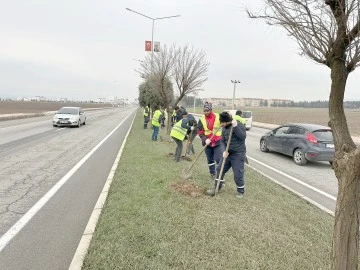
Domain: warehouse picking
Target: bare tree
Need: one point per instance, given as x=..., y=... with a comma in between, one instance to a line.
x=327, y=32
x=190, y=71
x=158, y=71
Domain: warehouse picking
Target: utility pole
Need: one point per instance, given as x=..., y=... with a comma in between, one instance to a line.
x=233, y=101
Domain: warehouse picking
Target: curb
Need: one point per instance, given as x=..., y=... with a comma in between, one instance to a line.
x=81, y=251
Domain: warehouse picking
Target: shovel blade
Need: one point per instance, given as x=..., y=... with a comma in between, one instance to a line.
x=186, y=174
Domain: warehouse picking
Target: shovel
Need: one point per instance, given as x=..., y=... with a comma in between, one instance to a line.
x=223, y=162
x=188, y=142
x=186, y=173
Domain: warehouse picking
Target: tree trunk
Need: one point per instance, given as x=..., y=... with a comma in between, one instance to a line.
x=345, y=243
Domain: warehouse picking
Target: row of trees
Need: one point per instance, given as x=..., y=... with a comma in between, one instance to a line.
x=186, y=66
x=314, y=104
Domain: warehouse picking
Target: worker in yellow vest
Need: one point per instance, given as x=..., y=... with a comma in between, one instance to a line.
x=156, y=120
x=178, y=134
x=238, y=117
x=173, y=117
x=146, y=115
x=209, y=132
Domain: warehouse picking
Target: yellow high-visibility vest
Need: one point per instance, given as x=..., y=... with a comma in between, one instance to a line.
x=178, y=132
x=216, y=125
x=146, y=109
x=156, y=117
x=239, y=118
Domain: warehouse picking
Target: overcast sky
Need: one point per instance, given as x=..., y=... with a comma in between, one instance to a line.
x=84, y=49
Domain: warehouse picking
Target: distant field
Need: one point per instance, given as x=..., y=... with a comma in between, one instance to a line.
x=280, y=116
x=9, y=107
x=302, y=115
x=271, y=115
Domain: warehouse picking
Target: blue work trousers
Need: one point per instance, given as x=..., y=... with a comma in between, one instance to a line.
x=178, y=150
x=236, y=162
x=213, y=155
x=155, y=133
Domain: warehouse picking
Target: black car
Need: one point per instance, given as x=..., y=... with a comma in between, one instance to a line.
x=304, y=142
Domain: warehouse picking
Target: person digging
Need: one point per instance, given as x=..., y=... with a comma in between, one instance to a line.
x=233, y=158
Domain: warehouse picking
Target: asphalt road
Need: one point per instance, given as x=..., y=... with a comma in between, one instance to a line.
x=34, y=158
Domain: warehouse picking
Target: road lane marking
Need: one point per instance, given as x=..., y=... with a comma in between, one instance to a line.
x=17, y=227
x=295, y=179
x=293, y=191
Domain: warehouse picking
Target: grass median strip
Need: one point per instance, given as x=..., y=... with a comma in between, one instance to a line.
x=155, y=220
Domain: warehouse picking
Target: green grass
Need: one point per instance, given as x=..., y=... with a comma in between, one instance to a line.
x=148, y=225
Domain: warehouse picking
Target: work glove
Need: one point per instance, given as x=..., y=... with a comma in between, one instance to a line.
x=207, y=142
x=192, y=128
x=225, y=154
x=234, y=123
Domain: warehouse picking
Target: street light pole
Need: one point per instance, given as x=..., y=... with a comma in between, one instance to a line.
x=152, y=31
x=194, y=100
x=233, y=101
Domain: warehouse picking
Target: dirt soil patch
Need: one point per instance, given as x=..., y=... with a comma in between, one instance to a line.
x=187, y=188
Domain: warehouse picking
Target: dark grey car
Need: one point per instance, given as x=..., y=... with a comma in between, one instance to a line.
x=304, y=142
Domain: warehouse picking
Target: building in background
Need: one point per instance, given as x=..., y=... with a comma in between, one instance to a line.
x=247, y=102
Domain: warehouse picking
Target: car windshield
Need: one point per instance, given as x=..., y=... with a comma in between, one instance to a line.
x=246, y=114
x=323, y=134
x=68, y=111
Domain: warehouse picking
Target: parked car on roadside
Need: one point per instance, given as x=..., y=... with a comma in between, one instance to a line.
x=304, y=142
x=69, y=116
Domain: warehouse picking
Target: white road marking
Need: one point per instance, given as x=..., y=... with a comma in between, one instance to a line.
x=294, y=191
x=295, y=179
x=17, y=227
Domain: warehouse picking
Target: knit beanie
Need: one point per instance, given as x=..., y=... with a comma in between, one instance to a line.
x=225, y=117
x=207, y=107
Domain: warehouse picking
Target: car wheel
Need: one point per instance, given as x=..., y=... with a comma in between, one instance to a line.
x=54, y=125
x=263, y=146
x=299, y=157
x=84, y=122
x=79, y=123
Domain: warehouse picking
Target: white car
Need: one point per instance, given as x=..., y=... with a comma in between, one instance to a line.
x=247, y=115
x=69, y=116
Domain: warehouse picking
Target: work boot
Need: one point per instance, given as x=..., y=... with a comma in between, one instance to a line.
x=211, y=192
x=240, y=195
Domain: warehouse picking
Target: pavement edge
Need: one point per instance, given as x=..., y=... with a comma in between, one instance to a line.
x=81, y=251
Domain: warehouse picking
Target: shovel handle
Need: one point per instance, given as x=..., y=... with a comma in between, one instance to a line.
x=223, y=162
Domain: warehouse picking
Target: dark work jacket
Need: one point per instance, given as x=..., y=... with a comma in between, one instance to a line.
x=237, y=144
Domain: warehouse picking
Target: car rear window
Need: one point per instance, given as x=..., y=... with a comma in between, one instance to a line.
x=246, y=114
x=323, y=134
